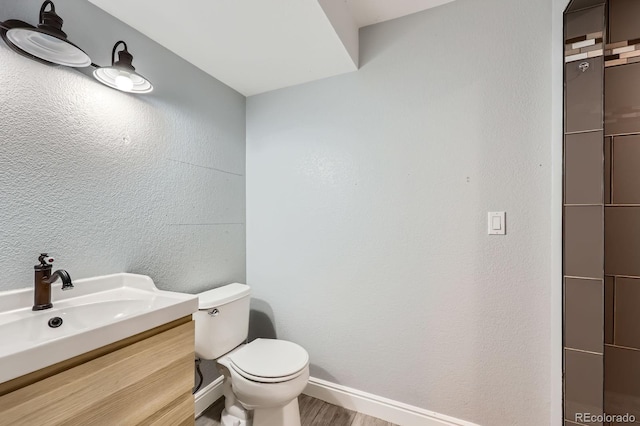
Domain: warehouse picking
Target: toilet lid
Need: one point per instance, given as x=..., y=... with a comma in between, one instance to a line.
x=270, y=358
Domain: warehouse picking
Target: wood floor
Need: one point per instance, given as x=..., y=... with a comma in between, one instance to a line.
x=313, y=412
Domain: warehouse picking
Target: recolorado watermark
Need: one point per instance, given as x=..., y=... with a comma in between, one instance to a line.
x=609, y=418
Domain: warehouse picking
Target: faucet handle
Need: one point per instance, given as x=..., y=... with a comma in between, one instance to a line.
x=45, y=259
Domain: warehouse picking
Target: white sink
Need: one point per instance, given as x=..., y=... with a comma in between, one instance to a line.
x=97, y=312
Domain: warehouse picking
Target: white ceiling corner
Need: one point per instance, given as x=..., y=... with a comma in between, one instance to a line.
x=367, y=12
x=255, y=46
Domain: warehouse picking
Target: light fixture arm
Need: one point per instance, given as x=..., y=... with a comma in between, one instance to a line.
x=44, y=6
x=125, y=59
x=115, y=47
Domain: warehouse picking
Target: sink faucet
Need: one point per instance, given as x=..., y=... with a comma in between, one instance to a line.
x=43, y=280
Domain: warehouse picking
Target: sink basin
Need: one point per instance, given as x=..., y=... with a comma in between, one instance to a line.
x=97, y=312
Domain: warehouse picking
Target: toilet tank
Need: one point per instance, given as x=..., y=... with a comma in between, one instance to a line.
x=222, y=320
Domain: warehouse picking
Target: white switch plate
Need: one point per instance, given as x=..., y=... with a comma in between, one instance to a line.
x=497, y=224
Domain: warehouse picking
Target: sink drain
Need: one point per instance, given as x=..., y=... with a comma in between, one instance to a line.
x=55, y=322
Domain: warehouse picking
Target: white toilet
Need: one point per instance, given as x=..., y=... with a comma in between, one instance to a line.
x=262, y=379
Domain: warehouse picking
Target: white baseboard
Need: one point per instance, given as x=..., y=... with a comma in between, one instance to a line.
x=351, y=399
x=377, y=406
x=209, y=394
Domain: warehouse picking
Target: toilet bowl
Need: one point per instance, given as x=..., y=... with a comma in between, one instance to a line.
x=263, y=378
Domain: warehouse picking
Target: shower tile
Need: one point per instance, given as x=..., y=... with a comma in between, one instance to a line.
x=584, y=22
x=626, y=170
x=576, y=57
x=607, y=170
x=583, y=241
x=628, y=55
x=622, y=381
x=583, y=384
x=583, y=312
x=622, y=241
x=594, y=53
x=622, y=99
x=583, y=168
x=598, y=46
x=627, y=314
x=584, y=95
x=623, y=19
x=612, y=61
x=609, y=294
x=583, y=44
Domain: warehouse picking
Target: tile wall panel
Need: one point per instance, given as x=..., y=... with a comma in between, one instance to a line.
x=622, y=241
x=584, y=196
x=622, y=100
x=626, y=170
x=623, y=20
x=584, y=306
x=583, y=384
x=583, y=241
x=583, y=110
x=607, y=170
x=627, y=313
x=584, y=168
x=586, y=18
x=622, y=381
x=609, y=295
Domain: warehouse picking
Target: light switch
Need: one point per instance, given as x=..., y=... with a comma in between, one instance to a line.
x=497, y=224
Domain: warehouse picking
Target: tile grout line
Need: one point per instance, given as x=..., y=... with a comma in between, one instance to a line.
x=583, y=351
x=582, y=278
x=622, y=347
x=579, y=132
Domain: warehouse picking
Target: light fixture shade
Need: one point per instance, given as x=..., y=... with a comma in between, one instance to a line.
x=122, y=79
x=121, y=75
x=48, y=42
x=45, y=46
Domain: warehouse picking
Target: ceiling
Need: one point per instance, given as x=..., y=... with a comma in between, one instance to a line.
x=255, y=46
x=367, y=12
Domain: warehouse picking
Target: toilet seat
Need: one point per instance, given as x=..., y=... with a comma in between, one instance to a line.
x=269, y=361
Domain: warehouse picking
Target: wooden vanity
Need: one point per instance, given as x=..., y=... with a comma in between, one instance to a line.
x=145, y=379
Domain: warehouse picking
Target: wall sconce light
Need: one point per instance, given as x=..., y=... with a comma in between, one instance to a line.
x=121, y=74
x=47, y=42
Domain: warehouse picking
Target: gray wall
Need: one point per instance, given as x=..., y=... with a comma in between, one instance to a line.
x=111, y=182
x=367, y=200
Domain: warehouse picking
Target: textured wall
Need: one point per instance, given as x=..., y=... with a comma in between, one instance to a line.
x=110, y=182
x=367, y=200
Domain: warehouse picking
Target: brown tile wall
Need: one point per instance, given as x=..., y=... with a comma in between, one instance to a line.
x=583, y=168
x=623, y=20
x=584, y=307
x=584, y=198
x=583, y=91
x=583, y=384
x=575, y=6
x=622, y=211
x=583, y=241
x=622, y=100
x=622, y=240
x=622, y=381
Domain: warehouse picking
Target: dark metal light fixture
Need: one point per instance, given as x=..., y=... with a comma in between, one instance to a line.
x=121, y=74
x=47, y=42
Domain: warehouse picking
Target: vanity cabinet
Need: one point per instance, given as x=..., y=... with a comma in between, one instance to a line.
x=146, y=379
